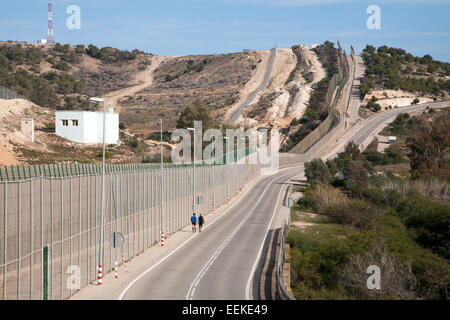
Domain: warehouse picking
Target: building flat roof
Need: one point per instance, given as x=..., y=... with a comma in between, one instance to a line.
x=83, y=111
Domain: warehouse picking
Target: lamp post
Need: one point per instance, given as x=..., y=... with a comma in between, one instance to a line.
x=228, y=167
x=193, y=173
x=100, y=264
x=239, y=169
x=161, y=218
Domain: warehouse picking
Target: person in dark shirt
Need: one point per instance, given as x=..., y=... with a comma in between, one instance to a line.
x=201, y=221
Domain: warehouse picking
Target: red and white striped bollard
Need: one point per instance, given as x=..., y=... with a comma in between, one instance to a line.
x=100, y=275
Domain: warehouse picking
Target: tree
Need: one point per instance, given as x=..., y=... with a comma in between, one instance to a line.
x=294, y=122
x=80, y=48
x=317, y=171
x=353, y=151
x=197, y=111
x=93, y=51
x=429, y=147
x=355, y=171
x=58, y=47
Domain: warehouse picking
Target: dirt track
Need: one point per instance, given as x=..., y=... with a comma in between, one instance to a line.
x=143, y=79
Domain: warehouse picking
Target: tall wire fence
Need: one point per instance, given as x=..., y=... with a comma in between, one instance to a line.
x=332, y=123
x=8, y=94
x=51, y=225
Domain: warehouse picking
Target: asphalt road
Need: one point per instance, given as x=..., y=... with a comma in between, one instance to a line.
x=373, y=123
x=217, y=264
x=260, y=88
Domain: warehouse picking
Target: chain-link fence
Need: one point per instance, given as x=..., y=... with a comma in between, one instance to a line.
x=63, y=215
x=50, y=226
x=316, y=138
x=8, y=94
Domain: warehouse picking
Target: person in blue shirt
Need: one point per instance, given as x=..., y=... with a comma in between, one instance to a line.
x=194, y=223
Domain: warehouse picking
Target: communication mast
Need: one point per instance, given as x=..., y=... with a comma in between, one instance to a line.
x=50, y=25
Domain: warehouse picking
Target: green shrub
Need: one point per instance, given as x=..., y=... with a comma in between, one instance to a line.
x=316, y=171
x=307, y=203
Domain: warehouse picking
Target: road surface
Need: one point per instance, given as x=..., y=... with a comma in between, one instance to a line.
x=219, y=262
x=361, y=131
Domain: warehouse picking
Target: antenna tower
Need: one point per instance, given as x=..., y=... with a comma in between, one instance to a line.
x=50, y=25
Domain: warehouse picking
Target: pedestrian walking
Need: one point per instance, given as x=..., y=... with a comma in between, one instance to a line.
x=201, y=221
x=194, y=222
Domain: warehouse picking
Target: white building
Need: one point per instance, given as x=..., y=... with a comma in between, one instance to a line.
x=87, y=127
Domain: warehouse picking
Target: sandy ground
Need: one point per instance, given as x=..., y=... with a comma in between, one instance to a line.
x=285, y=62
x=256, y=79
x=394, y=98
x=280, y=114
x=316, y=67
x=11, y=112
x=304, y=91
x=279, y=105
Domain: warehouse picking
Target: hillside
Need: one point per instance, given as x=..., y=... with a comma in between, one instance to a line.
x=178, y=81
x=395, y=78
x=143, y=88
x=63, y=77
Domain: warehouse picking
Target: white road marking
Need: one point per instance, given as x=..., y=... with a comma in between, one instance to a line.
x=194, y=284
x=252, y=272
x=123, y=293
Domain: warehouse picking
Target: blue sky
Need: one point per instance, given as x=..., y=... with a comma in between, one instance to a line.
x=181, y=27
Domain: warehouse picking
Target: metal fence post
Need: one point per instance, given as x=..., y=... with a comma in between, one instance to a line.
x=79, y=223
x=18, y=238
x=88, y=244
x=110, y=217
x=135, y=210
x=42, y=232
x=31, y=239
x=96, y=224
x=62, y=238
x=152, y=191
x=51, y=237
x=128, y=213
x=5, y=235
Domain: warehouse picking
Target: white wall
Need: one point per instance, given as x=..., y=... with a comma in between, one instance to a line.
x=90, y=126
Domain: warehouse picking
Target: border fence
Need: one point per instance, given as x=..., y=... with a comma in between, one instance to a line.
x=334, y=93
x=50, y=225
x=8, y=94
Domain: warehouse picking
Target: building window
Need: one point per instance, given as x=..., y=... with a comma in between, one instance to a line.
x=75, y=123
x=65, y=123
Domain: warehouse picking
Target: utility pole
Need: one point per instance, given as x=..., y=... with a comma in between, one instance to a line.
x=228, y=167
x=161, y=218
x=193, y=173
x=100, y=264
